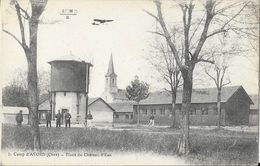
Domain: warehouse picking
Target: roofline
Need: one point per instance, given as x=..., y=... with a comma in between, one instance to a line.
x=123, y=112
x=103, y=102
x=178, y=103
x=241, y=87
x=70, y=61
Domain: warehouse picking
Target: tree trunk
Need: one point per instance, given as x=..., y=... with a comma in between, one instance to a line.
x=174, y=124
x=184, y=143
x=138, y=113
x=219, y=107
x=32, y=83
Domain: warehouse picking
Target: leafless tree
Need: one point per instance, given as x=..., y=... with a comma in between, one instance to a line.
x=163, y=62
x=30, y=50
x=196, y=34
x=218, y=73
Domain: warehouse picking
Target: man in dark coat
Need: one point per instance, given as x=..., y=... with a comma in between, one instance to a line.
x=58, y=118
x=19, y=118
x=48, y=118
x=90, y=118
x=67, y=119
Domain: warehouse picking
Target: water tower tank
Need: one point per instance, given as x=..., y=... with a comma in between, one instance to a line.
x=69, y=74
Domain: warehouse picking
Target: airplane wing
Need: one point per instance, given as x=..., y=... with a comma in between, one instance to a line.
x=99, y=20
x=109, y=20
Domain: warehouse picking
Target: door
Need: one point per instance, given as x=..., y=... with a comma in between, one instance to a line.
x=63, y=113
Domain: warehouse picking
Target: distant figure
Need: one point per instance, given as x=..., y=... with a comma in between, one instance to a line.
x=58, y=118
x=48, y=119
x=19, y=118
x=67, y=119
x=90, y=118
x=151, y=122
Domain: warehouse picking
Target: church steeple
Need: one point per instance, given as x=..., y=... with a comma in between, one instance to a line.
x=110, y=70
x=111, y=77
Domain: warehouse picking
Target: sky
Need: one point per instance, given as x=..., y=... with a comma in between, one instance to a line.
x=127, y=38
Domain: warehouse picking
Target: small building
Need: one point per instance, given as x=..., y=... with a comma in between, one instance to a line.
x=43, y=108
x=123, y=111
x=101, y=111
x=9, y=114
x=254, y=109
x=235, y=104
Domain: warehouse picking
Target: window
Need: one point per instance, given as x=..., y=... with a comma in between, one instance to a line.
x=126, y=116
x=192, y=111
x=64, y=93
x=153, y=111
x=131, y=116
x=144, y=111
x=204, y=111
x=162, y=111
x=216, y=111
x=116, y=116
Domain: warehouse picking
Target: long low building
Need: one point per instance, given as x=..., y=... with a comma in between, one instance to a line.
x=235, y=104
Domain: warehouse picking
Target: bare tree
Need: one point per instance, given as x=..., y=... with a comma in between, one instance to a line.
x=163, y=61
x=218, y=73
x=30, y=50
x=195, y=34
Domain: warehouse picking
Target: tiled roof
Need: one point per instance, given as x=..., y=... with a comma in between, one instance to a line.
x=91, y=100
x=255, y=99
x=45, y=105
x=69, y=57
x=204, y=95
x=124, y=106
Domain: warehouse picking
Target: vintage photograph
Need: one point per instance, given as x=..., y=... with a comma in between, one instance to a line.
x=129, y=82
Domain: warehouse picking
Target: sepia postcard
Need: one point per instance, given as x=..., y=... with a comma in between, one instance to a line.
x=129, y=82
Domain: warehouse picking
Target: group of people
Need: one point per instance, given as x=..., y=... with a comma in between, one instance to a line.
x=58, y=116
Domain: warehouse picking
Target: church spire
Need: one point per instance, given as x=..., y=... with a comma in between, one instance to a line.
x=110, y=70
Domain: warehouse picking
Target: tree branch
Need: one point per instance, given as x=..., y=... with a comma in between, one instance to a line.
x=206, y=60
x=167, y=35
x=157, y=33
x=222, y=29
x=213, y=78
x=12, y=35
x=18, y=8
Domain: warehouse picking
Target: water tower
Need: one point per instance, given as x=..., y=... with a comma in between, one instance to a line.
x=70, y=87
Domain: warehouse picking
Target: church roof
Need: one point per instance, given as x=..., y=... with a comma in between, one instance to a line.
x=110, y=70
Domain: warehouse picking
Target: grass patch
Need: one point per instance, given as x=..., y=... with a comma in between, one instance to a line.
x=211, y=147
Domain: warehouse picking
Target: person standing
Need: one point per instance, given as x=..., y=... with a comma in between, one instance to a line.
x=90, y=118
x=151, y=122
x=48, y=119
x=67, y=119
x=58, y=118
x=19, y=118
